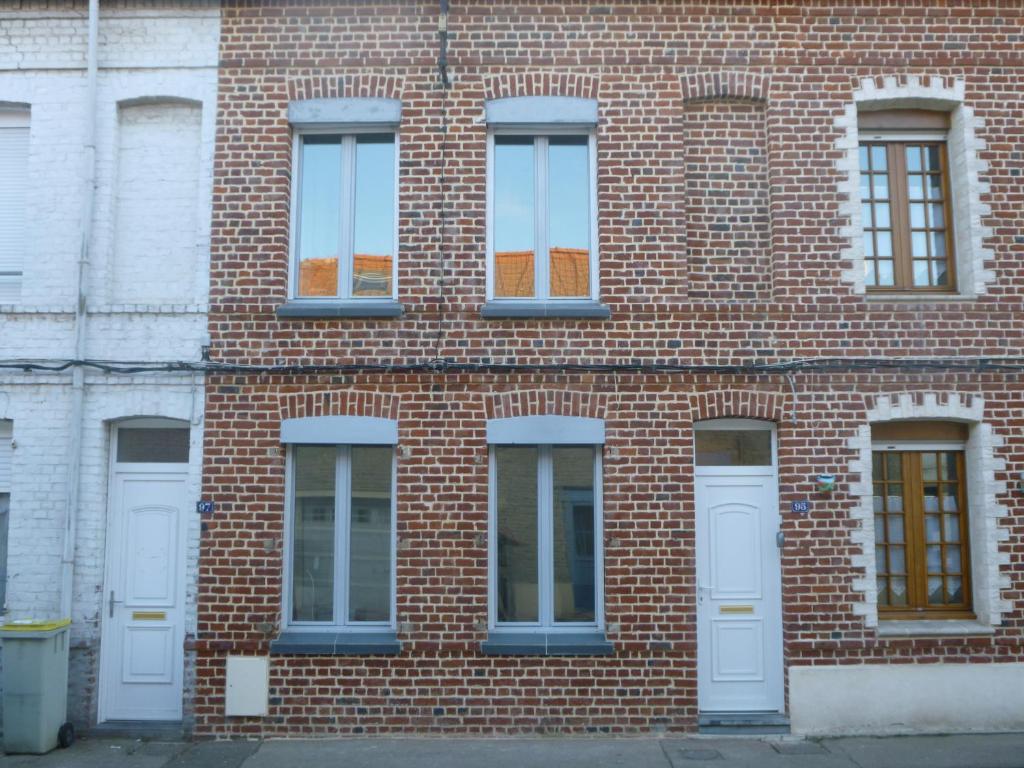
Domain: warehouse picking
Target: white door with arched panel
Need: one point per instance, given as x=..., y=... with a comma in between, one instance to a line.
x=739, y=591
x=142, y=646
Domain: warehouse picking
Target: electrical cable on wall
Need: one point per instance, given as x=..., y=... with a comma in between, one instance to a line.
x=825, y=364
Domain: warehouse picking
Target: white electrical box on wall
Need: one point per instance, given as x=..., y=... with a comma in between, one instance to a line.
x=247, y=686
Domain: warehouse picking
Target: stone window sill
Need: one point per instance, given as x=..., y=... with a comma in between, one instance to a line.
x=933, y=628
x=384, y=643
x=500, y=310
x=586, y=643
x=921, y=298
x=334, y=308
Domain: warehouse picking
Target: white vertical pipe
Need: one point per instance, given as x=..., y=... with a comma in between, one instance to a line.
x=72, y=490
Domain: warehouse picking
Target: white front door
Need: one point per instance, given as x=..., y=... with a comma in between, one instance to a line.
x=739, y=614
x=142, y=646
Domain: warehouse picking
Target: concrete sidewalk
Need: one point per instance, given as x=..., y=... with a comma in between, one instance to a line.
x=973, y=751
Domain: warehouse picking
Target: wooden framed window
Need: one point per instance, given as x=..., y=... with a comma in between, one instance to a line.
x=921, y=533
x=905, y=202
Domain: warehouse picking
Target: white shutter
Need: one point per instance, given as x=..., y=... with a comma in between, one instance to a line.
x=13, y=188
x=5, y=456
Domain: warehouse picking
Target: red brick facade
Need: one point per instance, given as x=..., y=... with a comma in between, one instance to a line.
x=721, y=243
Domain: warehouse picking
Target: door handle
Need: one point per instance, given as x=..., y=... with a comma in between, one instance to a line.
x=112, y=601
x=702, y=589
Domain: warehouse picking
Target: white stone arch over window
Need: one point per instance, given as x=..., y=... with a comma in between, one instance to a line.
x=985, y=512
x=964, y=146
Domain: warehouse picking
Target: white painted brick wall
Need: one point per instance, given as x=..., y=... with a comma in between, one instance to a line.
x=156, y=51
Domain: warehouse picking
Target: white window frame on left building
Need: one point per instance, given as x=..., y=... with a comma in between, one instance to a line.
x=14, y=157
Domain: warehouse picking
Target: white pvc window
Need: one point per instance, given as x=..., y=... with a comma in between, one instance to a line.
x=341, y=537
x=344, y=220
x=14, y=146
x=546, y=558
x=542, y=214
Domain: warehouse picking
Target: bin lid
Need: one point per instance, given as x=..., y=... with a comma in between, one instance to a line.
x=34, y=625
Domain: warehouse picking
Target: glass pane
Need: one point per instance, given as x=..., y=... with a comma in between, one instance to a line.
x=569, y=215
x=894, y=501
x=733, y=447
x=934, y=555
x=931, y=528
x=931, y=498
x=885, y=273
x=369, y=580
x=867, y=215
x=876, y=465
x=919, y=244
x=913, y=158
x=516, y=504
x=882, y=216
x=935, y=187
x=949, y=466
x=929, y=466
x=883, y=593
x=938, y=244
x=313, y=534
x=935, y=590
x=374, y=226
x=864, y=166
x=879, y=524
x=915, y=186
x=869, y=273
x=152, y=445
x=937, y=213
x=573, y=543
x=952, y=559
x=514, y=216
x=880, y=566
x=881, y=186
x=876, y=500
x=932, y=158
x=917, y=216
x=898, y=588
x=921, y=275
x=884, y=242
x=951, y=528
x=949, y=499
x=869, y=245
x=897, y=560
x=320, y=216
x=865, y=186
x=894, y=466
x=896, y=529
x=954, y=589
x=941, y=274
x=878, y=159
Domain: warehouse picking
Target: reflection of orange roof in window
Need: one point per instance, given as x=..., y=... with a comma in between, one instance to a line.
x=570, y=273
x=319, y=277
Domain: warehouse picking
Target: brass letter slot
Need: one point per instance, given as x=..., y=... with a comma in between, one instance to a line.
x=735, y=609
x=149, y=615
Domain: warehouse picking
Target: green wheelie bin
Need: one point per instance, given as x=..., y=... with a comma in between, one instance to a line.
x=35, y=678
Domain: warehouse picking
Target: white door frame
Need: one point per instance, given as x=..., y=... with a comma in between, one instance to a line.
x=114, y=560
x=771, y=564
